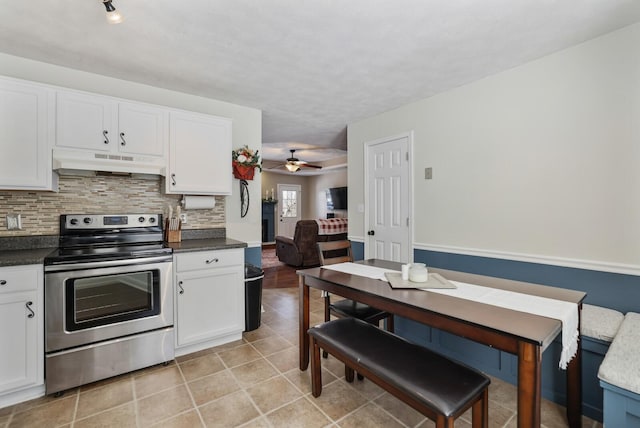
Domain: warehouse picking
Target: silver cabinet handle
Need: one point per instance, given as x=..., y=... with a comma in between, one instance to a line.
x=3, y=282
x=124, y=142
x=181, y=289
x=173, y=179
x=31, y=313
x=106, y=139
x=212, y=261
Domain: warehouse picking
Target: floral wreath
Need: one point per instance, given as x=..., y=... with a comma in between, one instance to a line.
x=247, y=157
x=244, y=161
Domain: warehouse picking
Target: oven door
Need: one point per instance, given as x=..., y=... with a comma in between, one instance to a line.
x=88, y=303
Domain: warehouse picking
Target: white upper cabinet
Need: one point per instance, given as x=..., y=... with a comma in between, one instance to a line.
x=26, y=136
x=102, y=124
x=199, y=154
x=46, y=128
x=84, y=122
x=141, y=129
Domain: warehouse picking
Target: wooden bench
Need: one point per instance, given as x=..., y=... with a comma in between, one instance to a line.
x=598, y=328
x=434, y=385
x=620, y=375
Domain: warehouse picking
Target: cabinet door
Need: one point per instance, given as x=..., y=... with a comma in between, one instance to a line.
x=19, y=351
x=85, y=122
x=26, y=126
x=199, y=154
x=141, y=129
x=210, y=304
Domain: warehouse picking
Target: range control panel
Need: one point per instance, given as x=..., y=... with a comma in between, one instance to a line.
x=111, y=221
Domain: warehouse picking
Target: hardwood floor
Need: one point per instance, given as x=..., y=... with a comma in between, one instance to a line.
x=280, y=277
x=277, y=275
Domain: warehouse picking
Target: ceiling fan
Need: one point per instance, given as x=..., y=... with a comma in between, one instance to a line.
x=294, y=164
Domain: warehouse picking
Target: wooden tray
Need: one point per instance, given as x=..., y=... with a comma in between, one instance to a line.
x=435, y=281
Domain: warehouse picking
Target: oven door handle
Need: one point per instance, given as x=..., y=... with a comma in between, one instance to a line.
x=107, y=263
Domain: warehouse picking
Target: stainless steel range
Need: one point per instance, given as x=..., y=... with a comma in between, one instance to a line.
x=108, y=299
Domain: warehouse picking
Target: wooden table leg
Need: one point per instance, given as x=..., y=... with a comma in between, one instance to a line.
x=304, y=323
x=529, y=385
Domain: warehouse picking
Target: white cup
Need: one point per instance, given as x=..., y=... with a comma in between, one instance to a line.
x=405, y=272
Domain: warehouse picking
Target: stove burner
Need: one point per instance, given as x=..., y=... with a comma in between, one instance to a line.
x=88, y=238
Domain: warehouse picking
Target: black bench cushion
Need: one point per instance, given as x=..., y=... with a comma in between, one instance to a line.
x=438, y=382
x=350, y=308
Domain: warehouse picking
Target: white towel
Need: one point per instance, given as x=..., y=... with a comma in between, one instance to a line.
x=557, y=309
x=551, y=308
x=360, y=270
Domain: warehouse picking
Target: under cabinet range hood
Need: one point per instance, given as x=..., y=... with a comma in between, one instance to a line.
x=73, y=160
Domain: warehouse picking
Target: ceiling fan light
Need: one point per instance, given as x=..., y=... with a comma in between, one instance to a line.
x=292, y=167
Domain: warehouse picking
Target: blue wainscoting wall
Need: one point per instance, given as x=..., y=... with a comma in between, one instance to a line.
x=611, y=290
x=357, y=249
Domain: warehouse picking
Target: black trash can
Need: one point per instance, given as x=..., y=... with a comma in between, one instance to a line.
x=252, y=296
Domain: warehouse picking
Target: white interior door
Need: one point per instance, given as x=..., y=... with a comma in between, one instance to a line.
x=388, y=202
x=289, y=208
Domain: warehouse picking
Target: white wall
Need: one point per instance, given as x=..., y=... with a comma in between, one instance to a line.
x=318, y=187
x=541, y=160
x=247, y=123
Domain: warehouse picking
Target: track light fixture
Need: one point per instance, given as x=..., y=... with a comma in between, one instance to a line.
x=113, y=16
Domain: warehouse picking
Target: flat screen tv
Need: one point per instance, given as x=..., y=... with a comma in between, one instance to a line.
x=338, y=198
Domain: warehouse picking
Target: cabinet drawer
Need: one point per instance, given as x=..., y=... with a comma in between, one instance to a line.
x=19, y=278
x=208, y=259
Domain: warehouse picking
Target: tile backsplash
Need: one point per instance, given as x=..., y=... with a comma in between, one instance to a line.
x=110, y=194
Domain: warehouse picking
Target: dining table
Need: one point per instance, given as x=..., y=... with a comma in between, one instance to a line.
x=520, y=333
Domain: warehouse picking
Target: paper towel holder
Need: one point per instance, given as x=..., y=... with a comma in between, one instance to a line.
x=197, y=202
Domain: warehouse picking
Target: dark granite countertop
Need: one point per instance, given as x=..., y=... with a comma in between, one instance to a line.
x=26, y=250
x=24, y=257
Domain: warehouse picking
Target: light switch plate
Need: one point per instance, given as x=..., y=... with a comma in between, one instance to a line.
x=14, y=222
x=428, y=173
x=183, y=218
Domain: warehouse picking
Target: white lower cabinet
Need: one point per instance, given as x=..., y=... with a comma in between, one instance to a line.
x=209, y=298
x=21, y=333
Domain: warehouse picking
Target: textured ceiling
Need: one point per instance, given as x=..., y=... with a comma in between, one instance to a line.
x=312, y=66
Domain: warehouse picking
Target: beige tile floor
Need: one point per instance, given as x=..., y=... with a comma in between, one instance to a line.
x=254, y=382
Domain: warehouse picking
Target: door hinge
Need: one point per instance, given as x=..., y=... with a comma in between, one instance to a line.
x=407, y=156
x=407, y=221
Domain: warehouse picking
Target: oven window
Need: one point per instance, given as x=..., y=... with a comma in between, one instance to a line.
x=108, y=299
